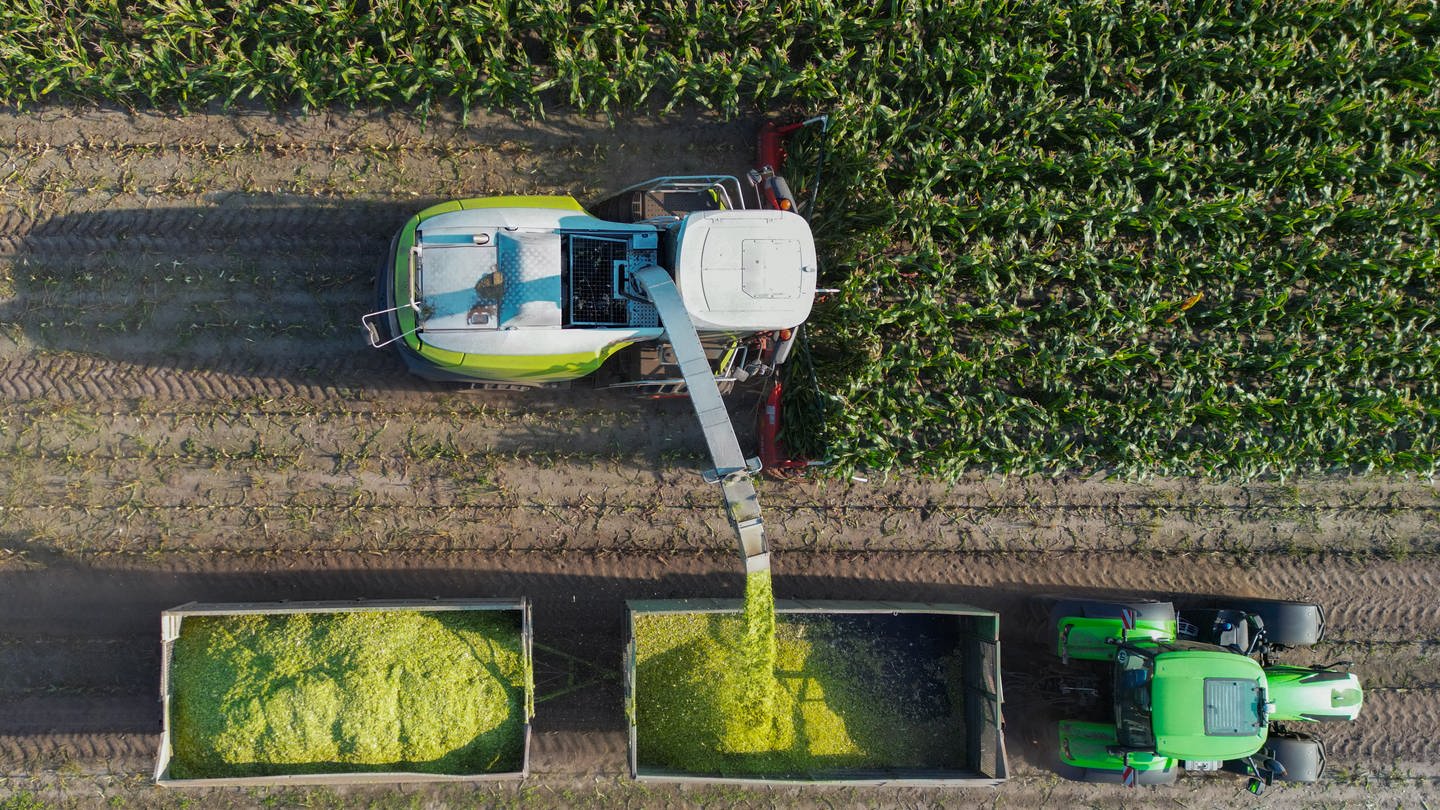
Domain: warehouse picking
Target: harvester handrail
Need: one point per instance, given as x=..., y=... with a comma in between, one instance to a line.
x=720, y=183
x=414, y=306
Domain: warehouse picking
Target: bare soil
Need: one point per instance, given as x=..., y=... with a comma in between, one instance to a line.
x=188, y=412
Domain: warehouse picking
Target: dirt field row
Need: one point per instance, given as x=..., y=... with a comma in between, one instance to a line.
x=242, y=476
x=188, y=412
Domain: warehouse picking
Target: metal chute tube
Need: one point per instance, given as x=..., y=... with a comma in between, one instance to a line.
x=742, y=506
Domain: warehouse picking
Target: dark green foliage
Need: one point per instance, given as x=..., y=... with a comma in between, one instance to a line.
x=1147, y=239
x=1140, y=237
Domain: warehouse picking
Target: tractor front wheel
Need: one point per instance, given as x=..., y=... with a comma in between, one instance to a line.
x=1302, y=757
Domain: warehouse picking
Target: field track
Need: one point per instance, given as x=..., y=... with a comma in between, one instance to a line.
x=187, y=412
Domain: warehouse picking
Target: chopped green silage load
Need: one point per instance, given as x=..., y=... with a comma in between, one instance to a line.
x=305, y=693
x=845, y=693
x=749, y=731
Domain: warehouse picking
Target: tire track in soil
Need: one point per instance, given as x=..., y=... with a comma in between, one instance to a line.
x=58, y=665
x=194, y=486
x=256, y=230
x=129, y=713
x=118, y=752
x=317, y=222
x=1396, y=727
x=71, y=379
x=1364, y=599
x=1375, y=601
x=364, y=519
x=132, y=238
x=359, y=378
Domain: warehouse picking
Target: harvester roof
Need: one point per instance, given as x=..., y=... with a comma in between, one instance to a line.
x=483, y=274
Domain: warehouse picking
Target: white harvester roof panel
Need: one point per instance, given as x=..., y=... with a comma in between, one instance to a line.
x=510, y=281
x=746, y=270
x=488, y=281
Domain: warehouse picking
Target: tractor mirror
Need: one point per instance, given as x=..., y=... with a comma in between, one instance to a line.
x=1129, y=777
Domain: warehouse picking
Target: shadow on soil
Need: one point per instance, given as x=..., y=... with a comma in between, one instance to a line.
x=274, y=285
x=260, y=286
x=578, y=622
x=258, y=296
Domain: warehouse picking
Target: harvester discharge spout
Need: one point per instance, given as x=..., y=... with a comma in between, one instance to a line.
x=732, y=470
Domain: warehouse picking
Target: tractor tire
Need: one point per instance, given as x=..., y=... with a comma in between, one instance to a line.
x=1303, y=757
x=1096, y=609
x=1075, y=773
x=1287, y=624
x=488, y=386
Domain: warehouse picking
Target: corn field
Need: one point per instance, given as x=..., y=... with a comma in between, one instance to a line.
x=1143, y=238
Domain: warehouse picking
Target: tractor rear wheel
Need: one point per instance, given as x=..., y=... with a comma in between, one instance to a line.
x=1287, y=624
x=1145, y=611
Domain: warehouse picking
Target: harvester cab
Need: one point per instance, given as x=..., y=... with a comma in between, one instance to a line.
x=1199, y=690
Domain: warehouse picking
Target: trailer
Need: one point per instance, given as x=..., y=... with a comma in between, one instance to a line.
x=879, y=693
x=241, y=691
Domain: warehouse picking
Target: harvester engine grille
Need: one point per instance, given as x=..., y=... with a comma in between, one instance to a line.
x=596, y=268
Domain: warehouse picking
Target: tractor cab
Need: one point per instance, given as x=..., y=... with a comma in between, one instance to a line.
x=1190, y=701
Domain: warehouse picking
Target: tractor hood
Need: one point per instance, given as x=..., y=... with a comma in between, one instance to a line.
x=1208, y=704
x=745, y=271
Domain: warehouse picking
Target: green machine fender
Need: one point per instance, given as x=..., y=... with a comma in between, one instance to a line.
x=1085, y=754
x=1303, y=693
x=1094, y=639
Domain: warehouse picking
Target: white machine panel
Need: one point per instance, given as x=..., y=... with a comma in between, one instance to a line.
x=746, y=271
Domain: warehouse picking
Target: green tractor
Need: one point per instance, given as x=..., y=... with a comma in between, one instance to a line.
x=1198, y=690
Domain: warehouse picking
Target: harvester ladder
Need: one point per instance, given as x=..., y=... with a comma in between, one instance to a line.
x=732, y=470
